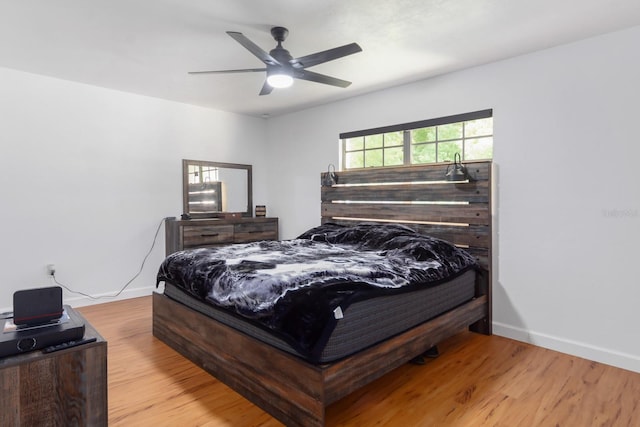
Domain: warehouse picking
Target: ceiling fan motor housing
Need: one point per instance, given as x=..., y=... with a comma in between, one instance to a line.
x=281, y=55
x=279, y=33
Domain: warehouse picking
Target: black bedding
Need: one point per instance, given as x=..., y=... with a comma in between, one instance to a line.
x=298, y=288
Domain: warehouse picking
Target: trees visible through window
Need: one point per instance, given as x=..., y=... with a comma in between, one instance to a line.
x=427, y=141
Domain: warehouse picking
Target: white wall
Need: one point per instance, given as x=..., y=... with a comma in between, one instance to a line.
x=568, y=210
x=87, y=174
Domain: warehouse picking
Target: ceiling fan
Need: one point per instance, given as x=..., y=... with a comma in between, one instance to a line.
x=282, y=68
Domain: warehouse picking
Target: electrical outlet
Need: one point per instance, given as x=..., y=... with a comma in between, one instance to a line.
x=51, y=269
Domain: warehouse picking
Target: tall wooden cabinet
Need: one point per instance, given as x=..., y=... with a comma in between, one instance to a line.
x=198, y=233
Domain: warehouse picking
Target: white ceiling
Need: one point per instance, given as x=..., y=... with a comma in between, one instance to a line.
x=147, y=46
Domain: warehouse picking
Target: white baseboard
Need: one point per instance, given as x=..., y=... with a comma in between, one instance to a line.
x=574, y=348
x=81, y=301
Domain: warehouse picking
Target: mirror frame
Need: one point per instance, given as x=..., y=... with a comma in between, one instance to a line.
x=185, y=187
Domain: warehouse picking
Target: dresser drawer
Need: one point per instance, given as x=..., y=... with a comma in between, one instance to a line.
x=206, y=235
x=202, y=233
x=253, y=231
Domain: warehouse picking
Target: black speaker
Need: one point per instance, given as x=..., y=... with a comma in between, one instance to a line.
x=37, y=306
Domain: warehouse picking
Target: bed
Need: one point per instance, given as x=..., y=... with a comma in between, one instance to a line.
x=295, y=377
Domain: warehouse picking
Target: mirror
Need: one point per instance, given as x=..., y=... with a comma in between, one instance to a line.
x=211, y=189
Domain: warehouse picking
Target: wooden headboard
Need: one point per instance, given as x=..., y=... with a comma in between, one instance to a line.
x=419, y=197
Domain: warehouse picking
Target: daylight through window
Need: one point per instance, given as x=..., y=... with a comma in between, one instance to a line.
x=427, y=141
x=199, y=174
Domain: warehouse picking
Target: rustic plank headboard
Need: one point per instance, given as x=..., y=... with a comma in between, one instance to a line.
x=420, y=197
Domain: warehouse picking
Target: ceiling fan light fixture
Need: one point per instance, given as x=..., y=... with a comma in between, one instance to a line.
x=279, y=80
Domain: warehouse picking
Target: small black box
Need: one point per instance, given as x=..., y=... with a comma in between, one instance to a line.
x=15, y=339
x=37, y=306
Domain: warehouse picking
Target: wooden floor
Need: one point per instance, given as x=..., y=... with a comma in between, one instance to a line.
x=477, y=381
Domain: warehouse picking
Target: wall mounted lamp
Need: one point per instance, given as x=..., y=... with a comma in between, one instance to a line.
x=457, y=171
x=330, y=178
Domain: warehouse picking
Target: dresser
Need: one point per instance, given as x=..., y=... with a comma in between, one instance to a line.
x=198, y=233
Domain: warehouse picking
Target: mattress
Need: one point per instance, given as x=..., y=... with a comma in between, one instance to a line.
x=361, y=324
x=298, y=289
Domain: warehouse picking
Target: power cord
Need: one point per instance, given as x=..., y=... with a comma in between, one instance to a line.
x=155, y=237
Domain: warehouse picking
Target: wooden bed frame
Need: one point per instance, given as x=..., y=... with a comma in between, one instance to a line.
x=297, y=392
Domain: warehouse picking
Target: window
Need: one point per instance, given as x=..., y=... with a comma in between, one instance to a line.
x=427, y=141
x=202, y=173
x=204, y=190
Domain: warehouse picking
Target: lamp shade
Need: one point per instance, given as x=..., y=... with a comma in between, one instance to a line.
x=458, y=172
x=330, y=178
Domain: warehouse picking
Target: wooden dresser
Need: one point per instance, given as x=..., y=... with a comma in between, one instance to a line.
x=199, y=233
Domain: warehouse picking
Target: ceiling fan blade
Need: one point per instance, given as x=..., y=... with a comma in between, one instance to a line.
x=253, y=48
x=319, y=78
x=325, y=56
x=266, y=89
x=244, y=70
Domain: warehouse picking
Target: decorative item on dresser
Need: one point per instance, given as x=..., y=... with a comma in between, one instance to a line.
x=261, y=211
x=198, y=233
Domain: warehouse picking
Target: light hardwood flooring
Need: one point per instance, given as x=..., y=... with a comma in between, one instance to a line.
x=477, y=381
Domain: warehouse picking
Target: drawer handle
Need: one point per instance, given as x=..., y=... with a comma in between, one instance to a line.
x=210, y=235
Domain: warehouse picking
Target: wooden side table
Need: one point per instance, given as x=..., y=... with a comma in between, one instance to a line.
x=64, y=388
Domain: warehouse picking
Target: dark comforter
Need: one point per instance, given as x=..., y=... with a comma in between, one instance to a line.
x=294, y=287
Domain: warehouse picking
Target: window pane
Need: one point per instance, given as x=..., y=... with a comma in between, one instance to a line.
x=423, y=135
x=194, y=174
x=479, y=148
x=447, y=150
x=478, y=127
x=209, y=174
x=373, y=141
x=450, y=131
x=393, y=138
x=354, y=143
x=354, y=160
x=472, y=139
x=373, y=158
x=393, y=156
x=423, y=153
